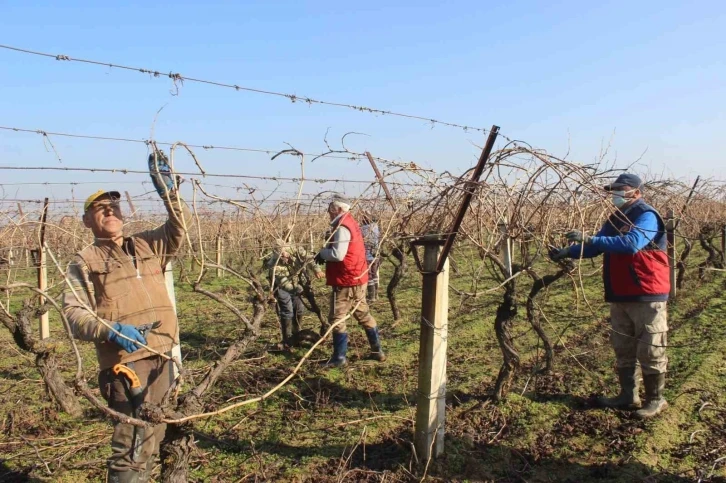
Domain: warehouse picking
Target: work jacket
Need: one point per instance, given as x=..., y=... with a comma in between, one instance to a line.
x=126, y=285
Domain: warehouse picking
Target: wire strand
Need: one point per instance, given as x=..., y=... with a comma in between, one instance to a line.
x=177, y=77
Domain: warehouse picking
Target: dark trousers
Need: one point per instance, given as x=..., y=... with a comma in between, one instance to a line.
x=289, y=305
x=154, y=373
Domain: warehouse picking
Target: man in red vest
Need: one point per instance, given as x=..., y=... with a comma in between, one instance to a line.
x=637, y=284
x=346, y=272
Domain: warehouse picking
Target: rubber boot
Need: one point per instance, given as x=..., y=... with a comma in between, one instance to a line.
x=296, y=324
x=115, y=476
x=145, y=475
x=655, y=403
x=375, y=291
x=370, y=293
x=285, y=329
x=340, y=349
x=628, y=397
x=377, y=353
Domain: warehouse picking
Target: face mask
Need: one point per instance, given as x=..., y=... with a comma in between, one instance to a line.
x=619, y=199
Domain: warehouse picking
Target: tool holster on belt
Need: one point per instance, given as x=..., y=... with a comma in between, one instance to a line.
x=135, y=390
x=135, y=393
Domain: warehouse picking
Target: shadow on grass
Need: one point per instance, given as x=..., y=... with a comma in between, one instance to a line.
x=501, y=463
x=8, y=475
x=462, y=461
x=325, y=392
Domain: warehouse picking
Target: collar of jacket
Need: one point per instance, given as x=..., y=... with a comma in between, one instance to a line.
x=105, y=242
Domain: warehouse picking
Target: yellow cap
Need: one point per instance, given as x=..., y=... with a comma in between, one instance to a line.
x=115, y=195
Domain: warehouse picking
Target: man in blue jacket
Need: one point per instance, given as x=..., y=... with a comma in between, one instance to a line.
x=637, y=284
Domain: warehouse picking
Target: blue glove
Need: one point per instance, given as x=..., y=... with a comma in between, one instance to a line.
x=161, y=175
x=129, y=331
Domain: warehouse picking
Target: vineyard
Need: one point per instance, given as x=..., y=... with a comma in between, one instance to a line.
x=528, y=345
x=486, y=335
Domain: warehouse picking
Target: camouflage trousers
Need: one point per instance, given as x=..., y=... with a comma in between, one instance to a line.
x=640, y=335
x=154, y=373
x=342, y=301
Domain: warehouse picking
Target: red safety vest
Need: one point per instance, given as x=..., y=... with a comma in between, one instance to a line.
x=353, y=270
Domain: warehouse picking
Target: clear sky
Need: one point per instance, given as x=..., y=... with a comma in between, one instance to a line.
x=644, y=76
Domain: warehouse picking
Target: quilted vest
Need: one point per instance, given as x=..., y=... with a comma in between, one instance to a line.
x=353, y=270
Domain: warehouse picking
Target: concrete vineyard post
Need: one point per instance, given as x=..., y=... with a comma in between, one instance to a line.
x=43, y=272
x=220, y=272
x=431, y=397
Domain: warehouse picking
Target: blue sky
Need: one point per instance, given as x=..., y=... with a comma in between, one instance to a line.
x=643, y=76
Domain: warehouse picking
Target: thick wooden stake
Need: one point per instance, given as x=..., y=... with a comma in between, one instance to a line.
x=468, y=194
x=671, y=238
x=169, y=278
x=20, y=211
x=131, y=204
x=723, y=244
x=43, y=273
x=381, y=181
x=431, y=398
x=220, y=272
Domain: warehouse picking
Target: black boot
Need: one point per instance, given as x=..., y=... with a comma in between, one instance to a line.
x=340, y=349
x=628, y=397
x=377, y=353
x=655, y=403
x=296, y=324
x=370, y=293
x=375, y=291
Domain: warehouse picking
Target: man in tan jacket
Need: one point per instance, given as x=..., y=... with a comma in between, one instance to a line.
x=118, y=286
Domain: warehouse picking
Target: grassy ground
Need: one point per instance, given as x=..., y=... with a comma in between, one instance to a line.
x=355, y=424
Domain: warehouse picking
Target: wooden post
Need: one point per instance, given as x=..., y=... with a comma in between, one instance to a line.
x=20, y=211
x=431, y=396
x=381, y=181
x=131, y=204
x=671, y=239
x=220, y=272
x=723, y=244
x=469, y=190
x=506, y=247
x=169, y=279
x=43, y=272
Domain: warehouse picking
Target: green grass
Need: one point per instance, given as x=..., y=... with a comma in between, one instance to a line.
x=355, y=424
